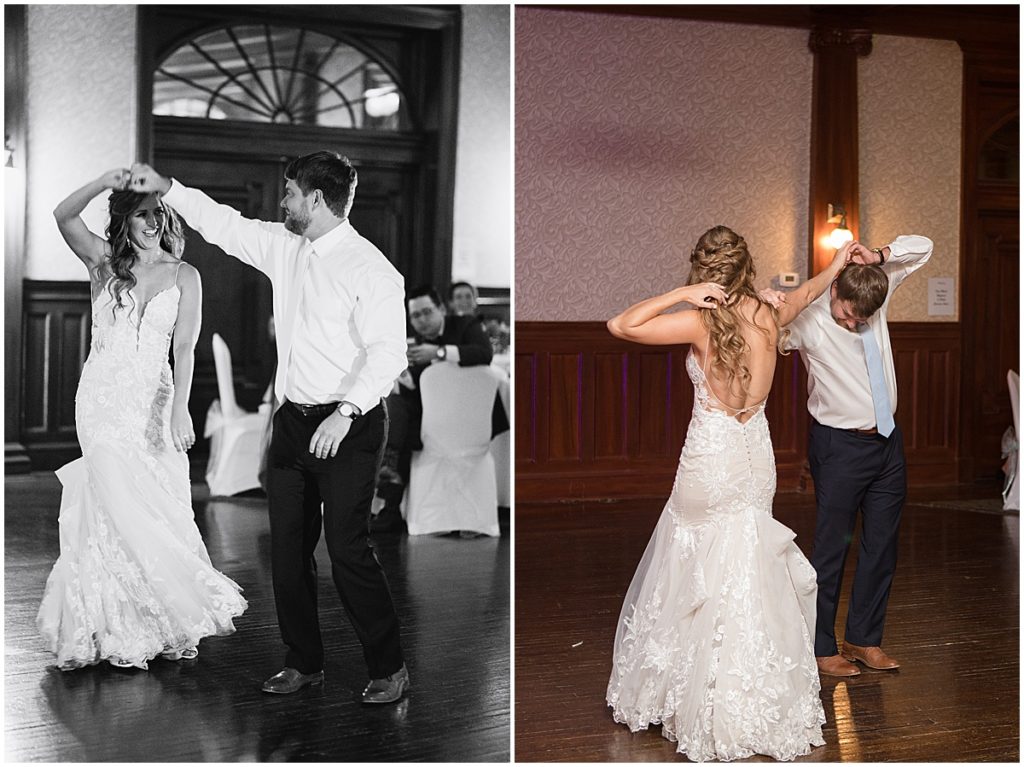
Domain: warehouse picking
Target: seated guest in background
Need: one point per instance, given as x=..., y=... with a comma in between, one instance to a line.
x=438, y=339
x=462, y=300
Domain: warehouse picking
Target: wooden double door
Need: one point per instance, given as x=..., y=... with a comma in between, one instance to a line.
x=248, y=175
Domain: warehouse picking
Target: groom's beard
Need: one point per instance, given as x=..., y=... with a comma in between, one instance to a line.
x=297, y=224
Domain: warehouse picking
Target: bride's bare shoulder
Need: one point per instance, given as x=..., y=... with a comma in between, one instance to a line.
x=759, y=314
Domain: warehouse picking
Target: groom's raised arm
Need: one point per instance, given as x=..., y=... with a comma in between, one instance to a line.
x=246, y=239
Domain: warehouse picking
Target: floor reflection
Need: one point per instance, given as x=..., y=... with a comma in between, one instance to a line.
x=452, y=596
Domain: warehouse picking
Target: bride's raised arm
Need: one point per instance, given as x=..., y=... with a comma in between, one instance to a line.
x=89, y=247
x=645, y=323
x=801, y=298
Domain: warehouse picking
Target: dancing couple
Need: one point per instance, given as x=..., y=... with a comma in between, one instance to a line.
x=726, y=625
x=134, y=580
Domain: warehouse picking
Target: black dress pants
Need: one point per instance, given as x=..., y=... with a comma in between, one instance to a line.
x=298, y=483
x=855, y=472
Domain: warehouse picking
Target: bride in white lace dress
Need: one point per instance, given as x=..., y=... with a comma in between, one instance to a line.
x=715, y=638
x=133, y=579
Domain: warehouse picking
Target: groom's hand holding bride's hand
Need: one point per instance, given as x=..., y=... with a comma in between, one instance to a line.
x=862, y=254
x=146, y=180
x=329, y=434
x=116, y=179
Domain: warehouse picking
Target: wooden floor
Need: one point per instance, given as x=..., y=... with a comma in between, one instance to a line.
x=953, y=623
x=452, y=596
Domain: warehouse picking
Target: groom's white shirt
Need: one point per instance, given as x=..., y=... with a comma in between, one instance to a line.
x=339, y=311
x=839, y=393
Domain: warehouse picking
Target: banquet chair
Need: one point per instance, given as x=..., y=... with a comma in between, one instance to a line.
x=501, y=445
x=1011, y=491
x=451, y=480
x=236, y=436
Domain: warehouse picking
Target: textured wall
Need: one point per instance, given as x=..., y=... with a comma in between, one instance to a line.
x=82, y=115
x=481, y=248
x=909, y=102
x=635, y=135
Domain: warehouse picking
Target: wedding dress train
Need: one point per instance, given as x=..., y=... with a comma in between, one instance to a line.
x=714, y=641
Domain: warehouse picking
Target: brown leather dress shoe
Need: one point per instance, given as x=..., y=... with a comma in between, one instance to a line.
x=389, y=689
x=872, y=657
x=836, y=665
x=289, y=680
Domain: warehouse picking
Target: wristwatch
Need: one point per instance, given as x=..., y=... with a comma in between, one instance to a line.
x=881, y=255
x=348, y=410
x=442, y=353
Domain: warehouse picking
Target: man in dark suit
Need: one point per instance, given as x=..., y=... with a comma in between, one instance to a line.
x=438, y=339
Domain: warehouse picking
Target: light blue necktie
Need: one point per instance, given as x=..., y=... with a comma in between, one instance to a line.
x=876, y=377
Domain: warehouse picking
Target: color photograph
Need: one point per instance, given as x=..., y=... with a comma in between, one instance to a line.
x=767, y=344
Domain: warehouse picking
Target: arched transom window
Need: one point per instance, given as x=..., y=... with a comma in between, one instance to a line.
x=269, y=74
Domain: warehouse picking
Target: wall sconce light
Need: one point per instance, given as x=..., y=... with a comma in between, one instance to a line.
x=841, y=234
x=8, y=151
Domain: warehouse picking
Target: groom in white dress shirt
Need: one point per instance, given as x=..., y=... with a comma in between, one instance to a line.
x=855, y=449
x=340, y=333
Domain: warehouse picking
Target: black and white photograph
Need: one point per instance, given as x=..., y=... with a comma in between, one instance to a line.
x=258, y=263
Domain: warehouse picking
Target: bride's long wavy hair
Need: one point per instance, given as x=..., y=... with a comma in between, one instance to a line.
x=123, y=257
x=721, y=256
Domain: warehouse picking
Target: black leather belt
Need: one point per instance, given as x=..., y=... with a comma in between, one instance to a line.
x=872, y=430
x=315, y=410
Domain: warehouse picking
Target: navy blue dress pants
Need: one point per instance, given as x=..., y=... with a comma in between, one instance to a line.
x=855, y=472
x=300, y=485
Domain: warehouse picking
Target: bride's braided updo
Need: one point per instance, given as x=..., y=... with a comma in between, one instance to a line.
x=721, y=256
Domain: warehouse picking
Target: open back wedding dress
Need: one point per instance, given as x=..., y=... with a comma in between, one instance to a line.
x=714, y=641
x=133, y=578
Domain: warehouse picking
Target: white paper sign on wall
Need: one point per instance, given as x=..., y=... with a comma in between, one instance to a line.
x=941, y=297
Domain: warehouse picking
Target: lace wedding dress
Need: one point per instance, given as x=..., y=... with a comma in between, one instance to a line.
x=133, y=578
x=714, y=641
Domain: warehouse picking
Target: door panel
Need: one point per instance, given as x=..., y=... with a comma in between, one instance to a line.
x=236, y=297
x=994, y=324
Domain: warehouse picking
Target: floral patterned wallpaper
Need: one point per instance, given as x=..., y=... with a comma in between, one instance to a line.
x=909, y=120
x=633, y=136
x=482, y=237
x=82, y=113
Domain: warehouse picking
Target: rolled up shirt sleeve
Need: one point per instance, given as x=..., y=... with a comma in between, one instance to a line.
x=379, y=319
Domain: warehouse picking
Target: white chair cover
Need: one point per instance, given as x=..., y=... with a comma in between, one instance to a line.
x=451, y=480
x=236, y=437
x=501, y=446
x=1011, y=492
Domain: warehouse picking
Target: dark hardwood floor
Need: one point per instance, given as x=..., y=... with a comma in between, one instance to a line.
x=953, y=622
x=452, y=596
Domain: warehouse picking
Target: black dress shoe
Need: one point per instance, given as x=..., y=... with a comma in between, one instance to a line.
x=389, y=689
x=289, y=680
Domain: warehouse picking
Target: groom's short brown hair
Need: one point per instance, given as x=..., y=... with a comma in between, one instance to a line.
x=329, y=172
x=864, y=287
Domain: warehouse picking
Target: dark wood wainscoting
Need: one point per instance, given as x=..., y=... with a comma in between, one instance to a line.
x=599, y=418
x=57, y=332
x=57, y=322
